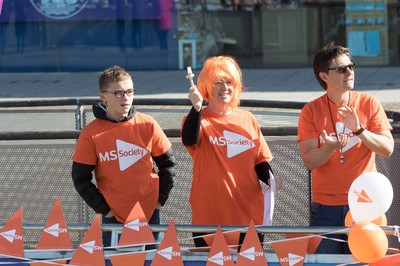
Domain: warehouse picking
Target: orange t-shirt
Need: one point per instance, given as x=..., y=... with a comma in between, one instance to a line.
x=122, y=153
x=225, y=188
x=331, y=181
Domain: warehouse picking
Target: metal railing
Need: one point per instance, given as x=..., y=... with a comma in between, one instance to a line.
x=32, y=158
x=81, y=119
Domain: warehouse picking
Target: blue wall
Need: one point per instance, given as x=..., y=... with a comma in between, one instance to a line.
x=87, y=35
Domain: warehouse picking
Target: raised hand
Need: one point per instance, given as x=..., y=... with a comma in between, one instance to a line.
x=333, y=142
x=195, y=98
x=349, y=118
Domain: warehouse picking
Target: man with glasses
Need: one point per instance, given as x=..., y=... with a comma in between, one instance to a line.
x=119, y=146
x=339, y=134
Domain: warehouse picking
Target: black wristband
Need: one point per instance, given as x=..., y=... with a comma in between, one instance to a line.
x=361, y=130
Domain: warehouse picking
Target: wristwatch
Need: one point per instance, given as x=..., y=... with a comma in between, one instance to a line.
x=361, y=130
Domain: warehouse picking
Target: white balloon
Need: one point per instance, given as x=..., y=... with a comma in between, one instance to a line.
x=370, y=196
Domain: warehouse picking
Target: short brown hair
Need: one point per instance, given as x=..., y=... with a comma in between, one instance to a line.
x=112, y=74
x=324, y=57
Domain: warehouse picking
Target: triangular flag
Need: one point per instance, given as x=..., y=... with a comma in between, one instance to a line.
x=169, y=252
x=90, y=250
x=136, y=259
x=251, y=252
x=219, y=253
x=291, y=252
x=55, y=234
x=12, y=237
x=136, y=229
x=388, y=260
x=313, y=241
x=231, y=238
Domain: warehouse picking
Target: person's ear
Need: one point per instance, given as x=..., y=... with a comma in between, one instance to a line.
x=102, y=97
x=323, y=76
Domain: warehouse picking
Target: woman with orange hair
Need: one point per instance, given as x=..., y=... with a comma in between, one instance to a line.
x=229, y=152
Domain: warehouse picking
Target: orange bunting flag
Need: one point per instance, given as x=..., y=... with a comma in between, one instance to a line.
x=136, y=229
x=251, y=253
x=12, y=237
x=169, y=251
x=90, y=250
x=313, y=241
x=137, y=259
x=231, y=238
x=219, y=253
x=291, y=252
x=55, y=234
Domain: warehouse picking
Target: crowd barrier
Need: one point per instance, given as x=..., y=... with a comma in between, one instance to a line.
x=38, y=138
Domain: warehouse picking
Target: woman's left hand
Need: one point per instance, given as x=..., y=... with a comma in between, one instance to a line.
x=278, y=182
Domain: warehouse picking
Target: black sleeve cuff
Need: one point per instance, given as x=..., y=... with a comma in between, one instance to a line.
x=190, y=134
x=82, y=179
x=166, y=173
x=262, y=171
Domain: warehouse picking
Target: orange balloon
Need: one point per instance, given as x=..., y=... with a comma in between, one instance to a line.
x=367, y=242
x=381, y=221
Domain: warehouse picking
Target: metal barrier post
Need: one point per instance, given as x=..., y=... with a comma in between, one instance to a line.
x=79, y=117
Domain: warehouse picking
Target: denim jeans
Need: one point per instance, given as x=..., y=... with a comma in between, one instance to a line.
x=323, y=215
x=155, y=219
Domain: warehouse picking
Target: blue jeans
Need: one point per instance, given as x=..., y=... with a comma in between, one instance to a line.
x=323, y=215
x=155, y=219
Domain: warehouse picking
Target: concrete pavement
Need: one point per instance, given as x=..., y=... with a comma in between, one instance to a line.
x=283, y=84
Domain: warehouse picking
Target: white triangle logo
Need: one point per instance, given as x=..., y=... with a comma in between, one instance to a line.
x=166, y=253
x=236, y=143
x=53, y=230
x=128, y=154
x=217, y=258
x=249, y=253
x=9, y=235
x=88, y=246
x=134, y=225
x=352, y=141
x=293, y=259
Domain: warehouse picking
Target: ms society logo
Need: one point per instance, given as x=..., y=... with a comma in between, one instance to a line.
x=235, y=143
x=11, y=235
x=126, y=153
x=59, y=9
x=342, y=130
x=55, y=230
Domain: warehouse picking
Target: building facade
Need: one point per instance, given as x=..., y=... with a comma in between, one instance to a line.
x=87, y=35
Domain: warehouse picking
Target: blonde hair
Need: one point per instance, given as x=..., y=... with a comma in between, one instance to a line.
x=219, y=68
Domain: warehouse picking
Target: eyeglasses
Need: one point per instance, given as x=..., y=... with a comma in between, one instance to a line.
x=222, y=83
x=343, y=69
x=120, y=94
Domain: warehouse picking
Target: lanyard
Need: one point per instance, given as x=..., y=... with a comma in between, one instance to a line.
x=341, y=157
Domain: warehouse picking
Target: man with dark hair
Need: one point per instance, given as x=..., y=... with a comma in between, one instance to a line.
x=339, y=134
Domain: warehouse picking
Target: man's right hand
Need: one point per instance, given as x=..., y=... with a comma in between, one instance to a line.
x=334, y=143
x=195, y=98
